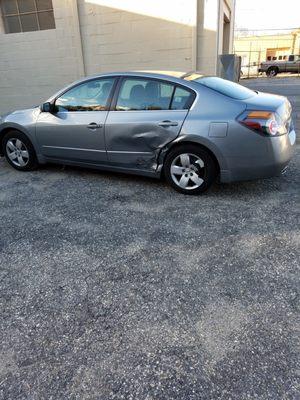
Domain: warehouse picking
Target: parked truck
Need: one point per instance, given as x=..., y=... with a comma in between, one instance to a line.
x=274, y=67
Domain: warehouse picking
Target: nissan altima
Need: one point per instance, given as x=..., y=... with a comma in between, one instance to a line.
x=189, y=128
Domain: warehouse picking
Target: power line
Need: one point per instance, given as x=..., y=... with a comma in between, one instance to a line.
x=262, y=29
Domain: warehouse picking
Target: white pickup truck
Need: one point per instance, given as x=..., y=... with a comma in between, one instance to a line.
x=274, y=67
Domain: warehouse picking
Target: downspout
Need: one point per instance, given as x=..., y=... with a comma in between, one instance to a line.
x=79, y=36
x=232, y=26
x=195, y=39
x=218, y=37
x=294, y=42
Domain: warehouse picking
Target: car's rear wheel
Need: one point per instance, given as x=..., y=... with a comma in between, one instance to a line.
x=19, y=151
x=190, y=169
x=272, y=71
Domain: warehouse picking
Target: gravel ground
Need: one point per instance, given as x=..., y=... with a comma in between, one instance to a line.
x=117, y=287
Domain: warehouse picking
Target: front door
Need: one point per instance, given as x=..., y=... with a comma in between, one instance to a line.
x=75, y=131
x=148, y=114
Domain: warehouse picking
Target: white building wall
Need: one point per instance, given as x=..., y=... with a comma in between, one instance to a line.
x=207, y=36
x=136, y=34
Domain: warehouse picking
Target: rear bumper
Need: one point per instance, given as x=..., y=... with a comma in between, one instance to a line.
x=279, y=151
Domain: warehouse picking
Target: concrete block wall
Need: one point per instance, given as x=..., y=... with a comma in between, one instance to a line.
x=33, y=65
x=131, y=34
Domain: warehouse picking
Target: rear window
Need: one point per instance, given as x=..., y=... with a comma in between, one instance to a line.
x=225, y=87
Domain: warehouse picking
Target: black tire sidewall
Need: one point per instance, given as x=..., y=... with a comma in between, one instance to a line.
x=32, y=163
x=210, y=172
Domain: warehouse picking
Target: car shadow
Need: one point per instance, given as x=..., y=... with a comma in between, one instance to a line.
x=261, y=187
x=254, y=187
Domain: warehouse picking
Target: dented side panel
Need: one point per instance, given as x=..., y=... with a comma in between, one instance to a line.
x=134, y=138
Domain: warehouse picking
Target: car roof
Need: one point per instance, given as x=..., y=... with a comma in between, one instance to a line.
x=175, y=76
x=179, y=77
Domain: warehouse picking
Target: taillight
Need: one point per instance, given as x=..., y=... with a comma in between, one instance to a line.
x=266, y=122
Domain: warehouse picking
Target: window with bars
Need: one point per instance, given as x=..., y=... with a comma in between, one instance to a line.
x=27, y=15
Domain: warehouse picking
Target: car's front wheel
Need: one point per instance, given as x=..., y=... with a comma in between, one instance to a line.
x=190, y=169
x=272, y=71
x=19, y=151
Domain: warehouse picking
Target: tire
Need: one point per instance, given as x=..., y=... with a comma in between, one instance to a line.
x=272, y=71
x=190, y=169
x=19, y=151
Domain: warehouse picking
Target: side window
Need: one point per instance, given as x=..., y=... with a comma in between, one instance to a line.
x=144, y=94
x=183, y=99
x=89, y=96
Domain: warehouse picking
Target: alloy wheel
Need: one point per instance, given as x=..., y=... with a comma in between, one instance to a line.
x=187, y=171
x=17, y=152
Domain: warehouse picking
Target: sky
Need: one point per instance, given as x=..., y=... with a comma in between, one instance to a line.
x=267, y=14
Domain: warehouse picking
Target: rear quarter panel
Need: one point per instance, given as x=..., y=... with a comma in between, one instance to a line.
x=212, y=123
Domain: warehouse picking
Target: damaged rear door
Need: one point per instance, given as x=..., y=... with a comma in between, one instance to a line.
x=146, y=114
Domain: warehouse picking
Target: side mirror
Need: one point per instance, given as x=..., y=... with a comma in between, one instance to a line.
x=47, y=107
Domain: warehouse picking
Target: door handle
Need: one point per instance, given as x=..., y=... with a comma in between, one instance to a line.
x=94, y=126
x=166, y=124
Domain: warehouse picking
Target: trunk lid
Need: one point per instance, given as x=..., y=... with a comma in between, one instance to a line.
x=271, y=102
x=265, y=101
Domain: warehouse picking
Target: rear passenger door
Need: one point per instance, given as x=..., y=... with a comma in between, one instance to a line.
x=146, y=115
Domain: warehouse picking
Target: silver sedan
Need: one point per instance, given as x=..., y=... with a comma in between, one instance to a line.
x=188, y=128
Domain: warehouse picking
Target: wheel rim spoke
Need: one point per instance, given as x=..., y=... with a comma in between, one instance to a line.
x=12, y=155
x=196, y=179
x=175, y=169
x=11, y=146
x=25, y=154
x=200, y=163
x=18, y=144
x=183, y=182
x=21, y=161
x=185, y=160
